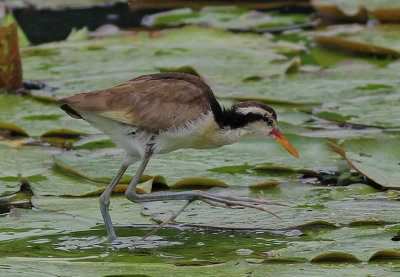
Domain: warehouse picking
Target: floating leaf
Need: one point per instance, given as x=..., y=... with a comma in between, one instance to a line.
x=376, y=159
x=225, y=18
x=356, y=47
x=141, y=188
x=321, y=207
x=387, y=14
x=36, y=118
x=184, y=69
x=332, y=13
x=385, y=255
x=335, y=257
x=199, y=182
x=264, y=185
x=14, y=129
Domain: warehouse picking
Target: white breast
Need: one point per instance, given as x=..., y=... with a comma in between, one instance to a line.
x=197, y=134
x=200, y=134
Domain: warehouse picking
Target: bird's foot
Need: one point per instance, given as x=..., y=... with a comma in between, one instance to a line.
x=221, y=201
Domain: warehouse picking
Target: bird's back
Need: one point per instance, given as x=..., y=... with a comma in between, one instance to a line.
x=156, y=102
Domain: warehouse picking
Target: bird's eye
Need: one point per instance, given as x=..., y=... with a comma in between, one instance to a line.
x=268, y=121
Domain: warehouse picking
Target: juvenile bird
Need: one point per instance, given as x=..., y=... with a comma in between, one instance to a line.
x=160, y=113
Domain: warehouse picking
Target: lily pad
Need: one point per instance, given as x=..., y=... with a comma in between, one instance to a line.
x=351, y=6
x=225, y=18
x=14, y=129
x=198, y=163
x=385, y=255
x=36, y=118
x=376, y=159
x=189, y=46
x=378, y=40
x=335, y=257
x=199, y=183
x=335, y=205
x=122, y=210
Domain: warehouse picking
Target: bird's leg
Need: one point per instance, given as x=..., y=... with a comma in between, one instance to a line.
x=212, y=199
x=105, y=196
x=131, y=190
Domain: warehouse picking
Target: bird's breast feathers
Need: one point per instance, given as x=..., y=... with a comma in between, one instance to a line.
x=199, y=134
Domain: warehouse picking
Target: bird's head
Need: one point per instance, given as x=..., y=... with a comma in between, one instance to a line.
x=260, y=120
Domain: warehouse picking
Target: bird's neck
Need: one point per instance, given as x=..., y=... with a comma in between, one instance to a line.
x=232, y=127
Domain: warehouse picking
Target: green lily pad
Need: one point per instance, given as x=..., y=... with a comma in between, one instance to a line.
x=370, y=111
x=352, y=6
x=361, y=242
x=23, y=223
x=199, y=183
x=210, y=51
x=225, y=18
x=385, y=255
x=14, y=129
x=335, y=257
x=12, y=266
x=376, y=159
x=122, y=210
x=335, y=205
x=200, y=163
x=36, y=118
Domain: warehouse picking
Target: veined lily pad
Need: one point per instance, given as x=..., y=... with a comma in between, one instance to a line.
x=376, y=159
x=122, y=210
x=198, y=163
x=334, y=205
x=378, y=40
x=37, y=118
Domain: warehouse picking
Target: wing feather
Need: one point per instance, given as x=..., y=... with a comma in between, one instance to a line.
x=155, y=101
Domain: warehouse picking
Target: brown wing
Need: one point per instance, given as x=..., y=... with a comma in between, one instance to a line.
x=156, y=101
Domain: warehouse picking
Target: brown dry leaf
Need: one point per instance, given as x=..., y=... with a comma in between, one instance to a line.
x=355, y=46
x=387, y=15
x=332, y=13
x=10, y=59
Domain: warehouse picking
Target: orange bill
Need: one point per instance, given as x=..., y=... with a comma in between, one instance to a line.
x=284, y=142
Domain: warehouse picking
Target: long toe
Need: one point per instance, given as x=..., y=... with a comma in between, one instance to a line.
x=230, y=201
